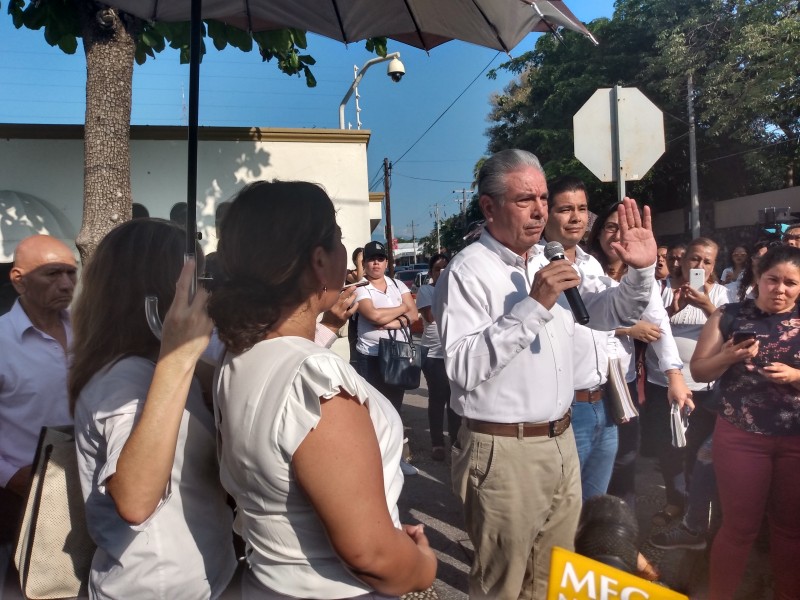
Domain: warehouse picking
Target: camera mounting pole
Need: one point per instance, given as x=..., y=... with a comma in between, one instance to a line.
x=359, y=77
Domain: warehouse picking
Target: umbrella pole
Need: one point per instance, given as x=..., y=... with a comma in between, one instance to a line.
x=194, y=92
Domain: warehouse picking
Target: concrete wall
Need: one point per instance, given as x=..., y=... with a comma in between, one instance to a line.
x=737, y=212
x=47, y=162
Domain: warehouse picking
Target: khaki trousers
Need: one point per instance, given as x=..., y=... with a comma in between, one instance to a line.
x=521, y=497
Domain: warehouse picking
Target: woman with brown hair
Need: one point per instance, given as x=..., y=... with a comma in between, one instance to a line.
x=309, y=450
x=144, y=435
x=755, y=359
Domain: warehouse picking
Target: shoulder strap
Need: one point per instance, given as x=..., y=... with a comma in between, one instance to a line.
x=728, y=316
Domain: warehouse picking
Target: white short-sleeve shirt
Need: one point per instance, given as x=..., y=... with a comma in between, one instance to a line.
x=185, y=548
x=430, y=332
x=368, y=336
x=267, y=401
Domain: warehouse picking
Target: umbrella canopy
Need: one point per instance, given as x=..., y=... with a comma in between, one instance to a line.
x=498, y=24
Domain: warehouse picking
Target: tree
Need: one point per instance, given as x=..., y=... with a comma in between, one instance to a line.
x=641, y=46
x=112, y=41
x=747, y=54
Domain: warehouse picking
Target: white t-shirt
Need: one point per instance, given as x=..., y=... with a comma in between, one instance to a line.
x=185, y=548
x=268, y=400
x=430, y=332
x=368, y=335
x=686, y=326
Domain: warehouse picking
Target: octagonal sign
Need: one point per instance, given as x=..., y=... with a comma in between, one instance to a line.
x=641, y=134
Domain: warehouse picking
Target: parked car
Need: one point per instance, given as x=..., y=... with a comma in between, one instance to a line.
x=408, y=277
x=420, y=280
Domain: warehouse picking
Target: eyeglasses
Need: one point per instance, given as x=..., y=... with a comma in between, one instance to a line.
x=376, y=258
x=611, y=227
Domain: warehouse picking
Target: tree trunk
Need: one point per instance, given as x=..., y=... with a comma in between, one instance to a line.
x=109, y=48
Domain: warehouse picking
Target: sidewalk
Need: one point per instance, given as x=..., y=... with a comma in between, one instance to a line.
x=427, y=499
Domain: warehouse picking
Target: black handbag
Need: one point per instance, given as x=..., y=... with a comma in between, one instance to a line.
x=401, y=359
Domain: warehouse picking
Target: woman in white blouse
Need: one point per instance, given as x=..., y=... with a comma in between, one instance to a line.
x=144, y=435
x=308, y=449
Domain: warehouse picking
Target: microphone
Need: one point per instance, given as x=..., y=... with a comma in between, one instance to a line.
x=555, y=251
x=608, y=533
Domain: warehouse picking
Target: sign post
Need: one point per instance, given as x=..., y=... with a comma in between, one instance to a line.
x=619, y=135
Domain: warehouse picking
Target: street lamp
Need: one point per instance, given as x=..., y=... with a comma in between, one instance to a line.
x=395, y=70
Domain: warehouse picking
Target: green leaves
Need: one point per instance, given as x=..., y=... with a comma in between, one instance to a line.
x=58, y=18
x=743, y=56
x=61, y=24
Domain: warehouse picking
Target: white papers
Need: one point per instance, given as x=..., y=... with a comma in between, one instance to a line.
x=679, y=421
x=622, y=407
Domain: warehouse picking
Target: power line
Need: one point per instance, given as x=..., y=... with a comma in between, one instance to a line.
x=436, y=180
x=464, y=91
x=786, y=141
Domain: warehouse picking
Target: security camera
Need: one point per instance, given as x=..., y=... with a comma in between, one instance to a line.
x=396, y=70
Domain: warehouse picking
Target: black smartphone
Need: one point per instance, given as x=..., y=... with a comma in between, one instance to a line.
x=741, y=336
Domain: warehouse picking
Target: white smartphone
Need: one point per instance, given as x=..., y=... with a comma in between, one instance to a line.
x=697, y=279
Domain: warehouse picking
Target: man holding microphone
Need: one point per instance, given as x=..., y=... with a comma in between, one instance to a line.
x=507, y=334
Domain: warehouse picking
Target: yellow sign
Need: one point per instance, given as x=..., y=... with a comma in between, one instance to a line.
x=575, y=577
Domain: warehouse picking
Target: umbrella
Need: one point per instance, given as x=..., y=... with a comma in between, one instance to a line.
x=498, y=24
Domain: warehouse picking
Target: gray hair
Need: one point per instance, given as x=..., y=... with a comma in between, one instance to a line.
x=492, y=176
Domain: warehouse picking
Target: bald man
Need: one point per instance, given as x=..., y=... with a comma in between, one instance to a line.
x=34, y=336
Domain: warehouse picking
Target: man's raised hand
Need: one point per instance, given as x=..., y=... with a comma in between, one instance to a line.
x=637, y=245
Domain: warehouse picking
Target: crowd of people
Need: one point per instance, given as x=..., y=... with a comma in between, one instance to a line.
x=243, y=403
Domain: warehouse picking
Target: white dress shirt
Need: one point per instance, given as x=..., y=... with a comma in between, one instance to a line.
x=664, y=348
x=33, y=387
x=686, y=326
x=508, y=358
x=590, y=346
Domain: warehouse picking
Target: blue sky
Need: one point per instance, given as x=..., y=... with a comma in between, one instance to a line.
x=40, y=84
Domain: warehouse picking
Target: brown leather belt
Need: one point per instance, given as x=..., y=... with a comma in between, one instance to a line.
x=521, y=430
x=589, y=395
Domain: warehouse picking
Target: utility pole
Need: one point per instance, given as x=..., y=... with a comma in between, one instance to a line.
x=463, y=203
x=414, y=242
x=695, y=198
x=387, y=183
x=435, y=215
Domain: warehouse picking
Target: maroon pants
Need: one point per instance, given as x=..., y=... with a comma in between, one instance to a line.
x=756, y=474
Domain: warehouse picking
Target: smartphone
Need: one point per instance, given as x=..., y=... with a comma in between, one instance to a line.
x=741, y=336
x=697, y=279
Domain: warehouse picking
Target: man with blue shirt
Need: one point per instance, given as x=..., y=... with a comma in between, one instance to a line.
x=35, y=335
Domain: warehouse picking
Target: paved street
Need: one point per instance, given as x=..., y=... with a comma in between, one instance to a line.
x=427, y=499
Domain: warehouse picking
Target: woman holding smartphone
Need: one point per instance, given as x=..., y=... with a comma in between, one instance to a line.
x=756, y=448
x=688, y=309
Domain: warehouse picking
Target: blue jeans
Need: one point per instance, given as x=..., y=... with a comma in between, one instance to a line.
x=596, y=439
x=702, y=492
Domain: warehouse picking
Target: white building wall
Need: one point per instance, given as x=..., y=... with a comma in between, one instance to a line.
x=47, y=162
